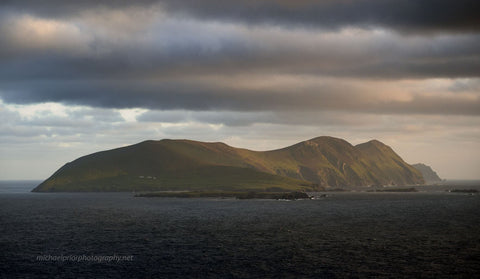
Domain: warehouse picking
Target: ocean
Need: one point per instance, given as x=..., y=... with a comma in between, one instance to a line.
x=428, y=234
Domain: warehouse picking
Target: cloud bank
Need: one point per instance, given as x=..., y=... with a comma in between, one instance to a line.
x=235, y=70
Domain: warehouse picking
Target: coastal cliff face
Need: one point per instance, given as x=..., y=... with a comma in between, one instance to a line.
x=430, y=176
x=314, y=164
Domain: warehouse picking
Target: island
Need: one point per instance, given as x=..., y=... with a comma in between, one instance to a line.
x=317, y=164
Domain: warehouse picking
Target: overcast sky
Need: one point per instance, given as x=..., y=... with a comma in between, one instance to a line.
x=78, y=77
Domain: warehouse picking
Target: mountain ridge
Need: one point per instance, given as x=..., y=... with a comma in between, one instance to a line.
x=168, y=164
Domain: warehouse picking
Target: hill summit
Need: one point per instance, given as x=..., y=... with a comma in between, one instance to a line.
x=310, y=165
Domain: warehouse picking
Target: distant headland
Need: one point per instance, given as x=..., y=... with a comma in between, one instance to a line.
x=317, y=164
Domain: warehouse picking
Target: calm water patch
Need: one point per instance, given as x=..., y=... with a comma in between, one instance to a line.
x=17, y=186
x=425, y=234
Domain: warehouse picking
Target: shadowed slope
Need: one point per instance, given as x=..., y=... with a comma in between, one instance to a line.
x=430, y=176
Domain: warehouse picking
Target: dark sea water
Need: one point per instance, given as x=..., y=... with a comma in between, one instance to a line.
x=432, y=234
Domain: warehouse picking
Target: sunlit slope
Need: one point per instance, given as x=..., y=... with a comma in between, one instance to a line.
x=329, y=161
x=193, y=165
x=384, y=166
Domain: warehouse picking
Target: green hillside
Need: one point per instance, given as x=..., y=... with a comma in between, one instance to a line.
x=328, y=161
x=192, y=165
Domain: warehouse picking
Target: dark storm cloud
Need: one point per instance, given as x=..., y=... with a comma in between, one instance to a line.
x=236, y=52
x=404, y=15
x=121, y=94
x=80, y=52
x=198, y=96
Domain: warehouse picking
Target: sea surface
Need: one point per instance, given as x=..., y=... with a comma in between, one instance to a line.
x=427, y=234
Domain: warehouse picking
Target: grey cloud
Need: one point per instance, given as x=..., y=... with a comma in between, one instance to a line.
x=199, y=96
x=404, y=15
x=97, y=115
x=182, y=48
x=77, y=120
x=245, y=119
x=241, y=50
x=187, y=64
x=177, y=49
x=170, y=116
x=44, y=124
x=432, y=105
x=228, y=118
x=464, y=85
x=119, y=94
x=60, y=8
